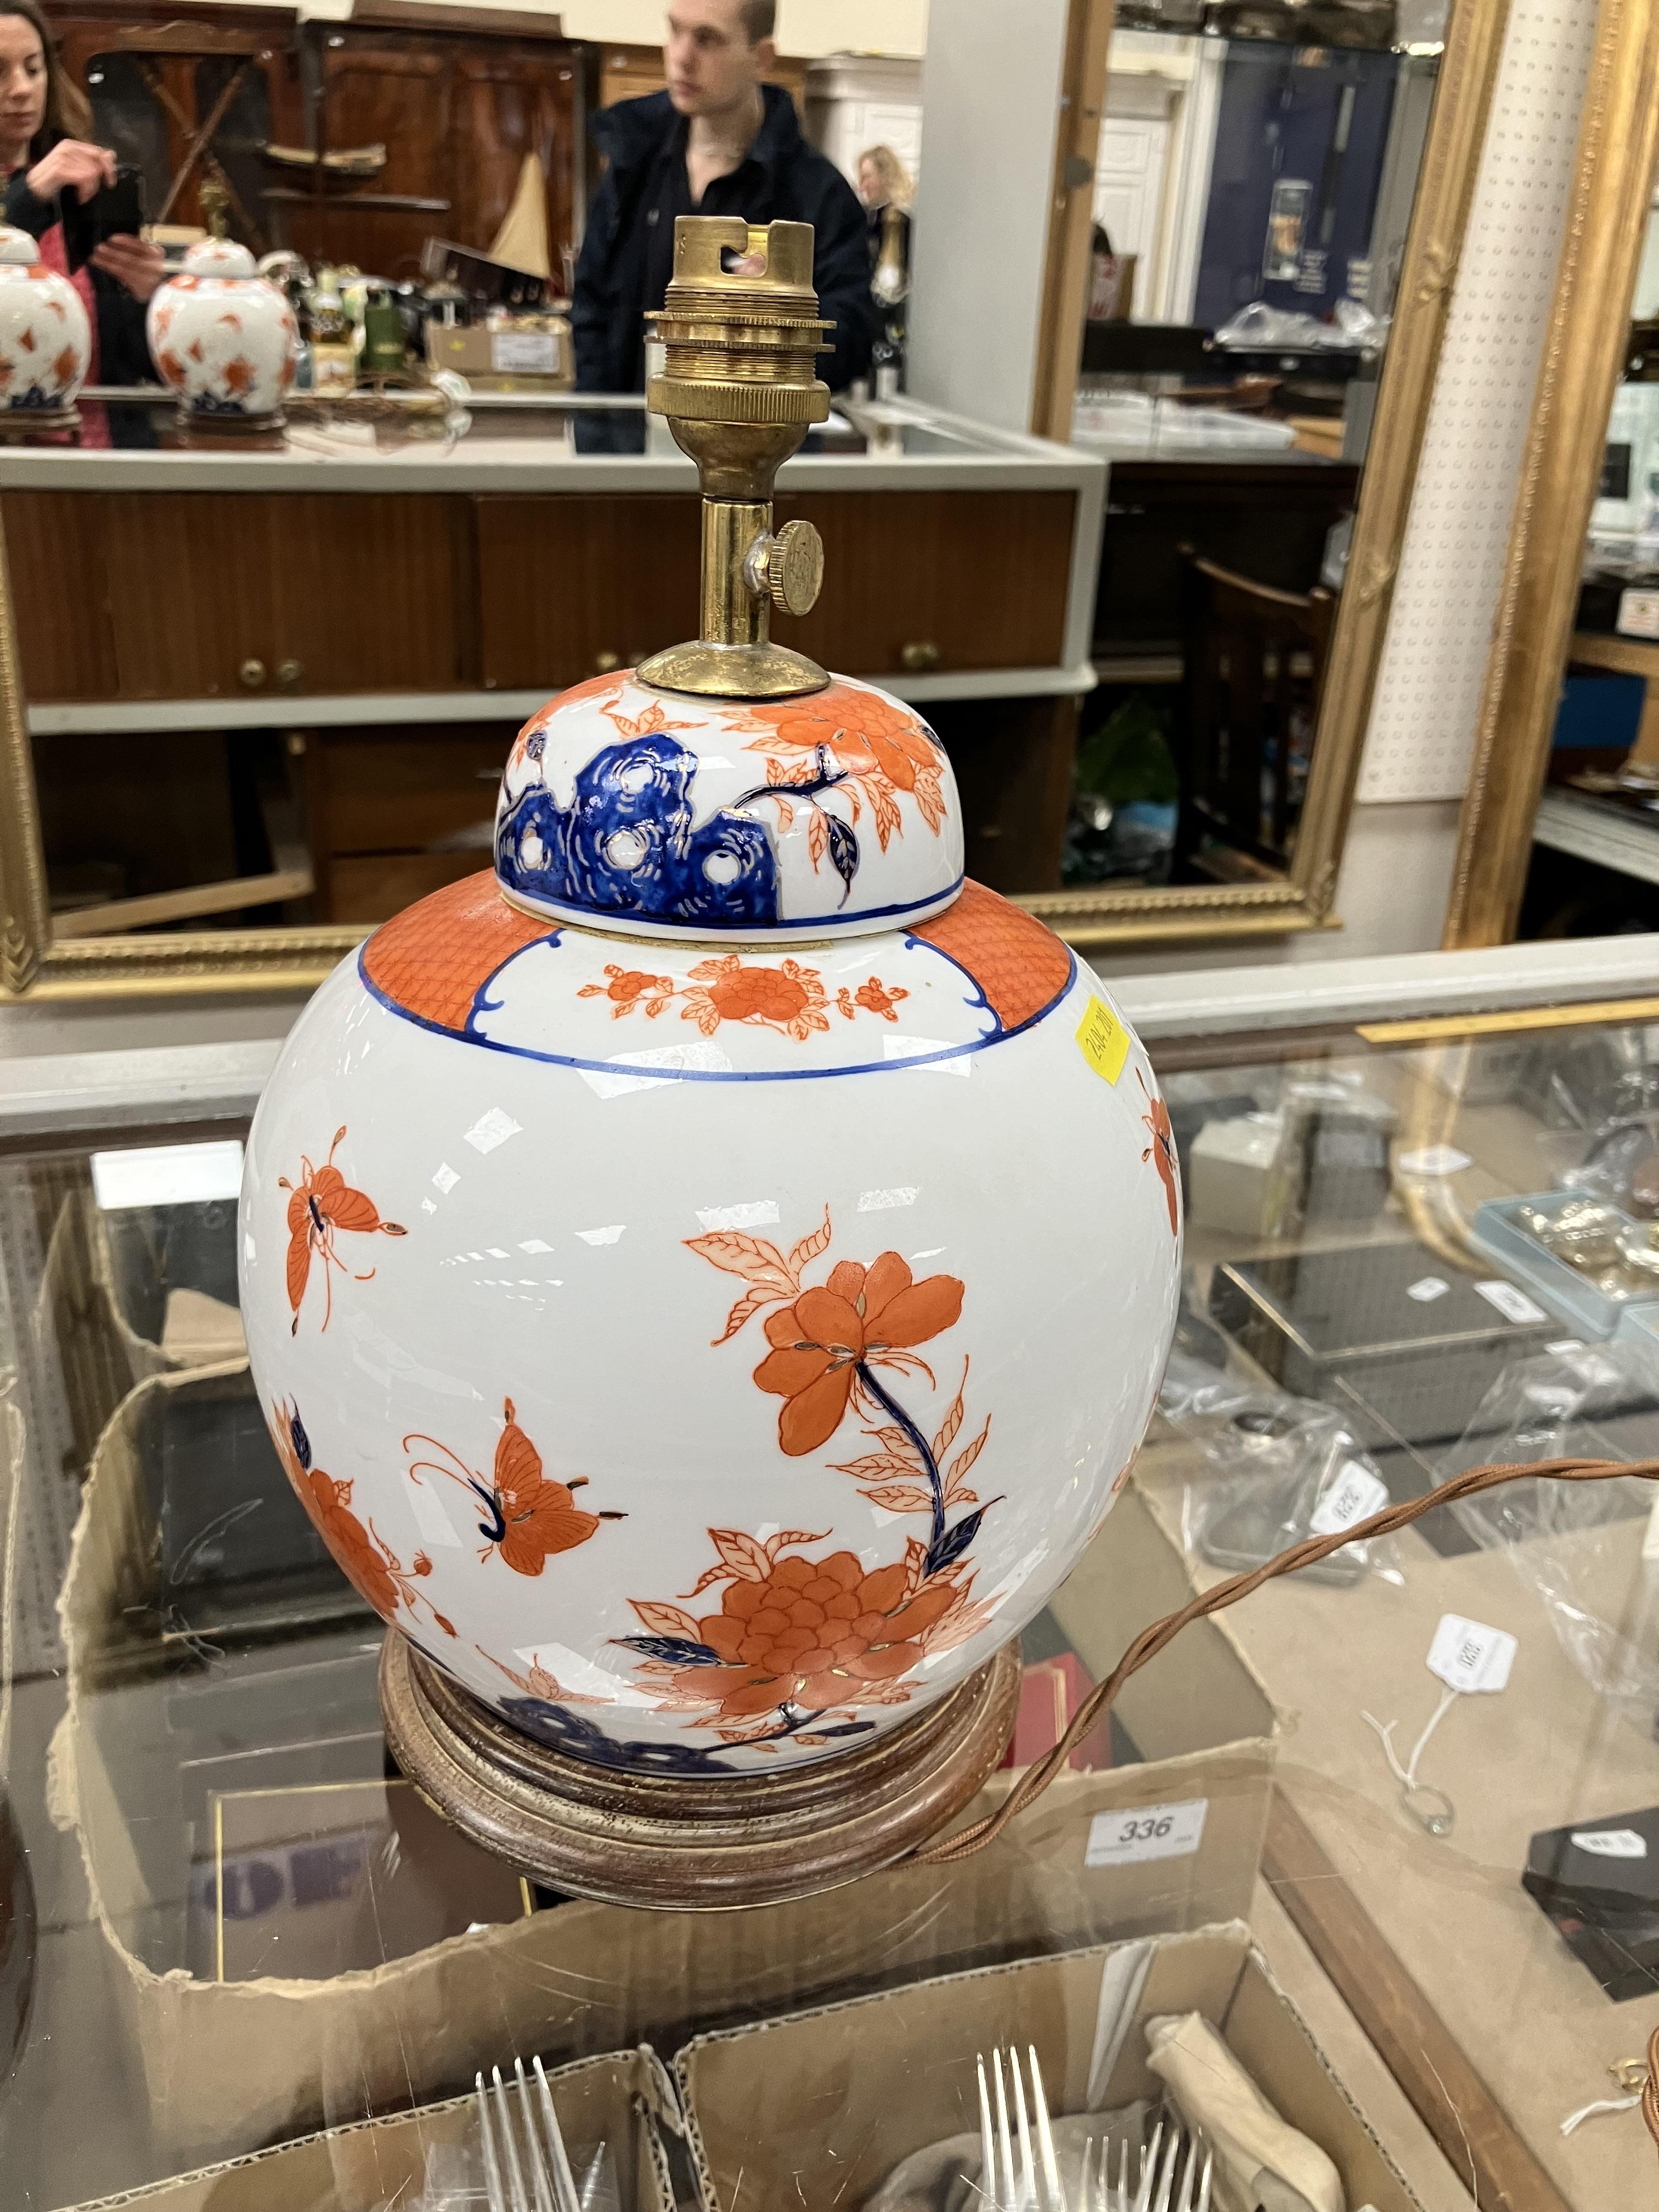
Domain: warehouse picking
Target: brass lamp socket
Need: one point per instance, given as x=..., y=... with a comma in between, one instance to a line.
x=739, y=392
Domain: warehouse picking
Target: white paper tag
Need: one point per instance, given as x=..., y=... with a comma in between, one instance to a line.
x=1427, y=1288
x=1638, y=613
x=1612, y=1842
x=1514, y=1305
x=1468, y=1655
x=1355, y=1495
x=524, y=349
x=1147, y=1832
x=1434, y=1160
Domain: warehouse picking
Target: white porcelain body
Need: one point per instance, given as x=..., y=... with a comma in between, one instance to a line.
x=226, y=343
x=787, y=820
x=46, y=343
x=604, y=1217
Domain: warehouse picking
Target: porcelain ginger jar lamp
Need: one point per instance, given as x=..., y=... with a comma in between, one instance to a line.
x=709, y=1276
x=45, y=343
x=224, y=338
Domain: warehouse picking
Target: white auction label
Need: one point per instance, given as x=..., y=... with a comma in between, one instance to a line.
x=1427, y=1288
x=1468, y=1655
x=1355, y=1495
x=1612, y=1842
x=1638, y=613
x=1147, y=1832
x=1434, y=1160
x=524, y=349
x=1514, y=1305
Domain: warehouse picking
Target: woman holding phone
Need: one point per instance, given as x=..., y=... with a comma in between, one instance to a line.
x=46, y=156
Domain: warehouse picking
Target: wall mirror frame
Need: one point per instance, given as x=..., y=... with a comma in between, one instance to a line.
x=1585, y=347
x=32, y=963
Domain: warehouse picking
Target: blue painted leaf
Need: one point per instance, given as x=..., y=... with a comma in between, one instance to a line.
x=843, y=853
x=302, y=1442
x=951, y=1544
x=846, y=1728
x=678, y=1650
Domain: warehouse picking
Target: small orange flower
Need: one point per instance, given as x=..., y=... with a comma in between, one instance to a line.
x=878, y=998
x=629, y=987
x=859, y=1314
x=812, y=1634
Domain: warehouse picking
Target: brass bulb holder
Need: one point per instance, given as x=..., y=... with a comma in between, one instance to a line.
x=739, y=392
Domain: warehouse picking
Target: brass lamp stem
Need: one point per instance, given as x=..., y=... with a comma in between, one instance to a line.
x=739, y=392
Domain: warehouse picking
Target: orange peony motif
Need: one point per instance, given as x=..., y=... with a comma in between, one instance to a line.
x=628, y=987
x=238, y=376
x=814, y=1634
x=790, y=998
x=65, y=365
x=881, y=747
x=859, y=1315
x=369, y=1563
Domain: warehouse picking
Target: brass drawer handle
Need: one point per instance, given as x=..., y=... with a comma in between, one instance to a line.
x=290, y=675
x=606, y=664
x=252, y=675
x=919, y=656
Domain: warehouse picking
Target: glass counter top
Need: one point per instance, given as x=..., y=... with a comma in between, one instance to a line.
x=231, y=1923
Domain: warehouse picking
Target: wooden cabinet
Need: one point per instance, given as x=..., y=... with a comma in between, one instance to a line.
x=918, y=581
x=171, y=595
x=393, y=814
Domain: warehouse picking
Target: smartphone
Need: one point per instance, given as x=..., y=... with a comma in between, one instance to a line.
x=116, y=210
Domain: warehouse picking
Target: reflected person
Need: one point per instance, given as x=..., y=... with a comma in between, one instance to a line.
x=717, y=142
x=48, y=154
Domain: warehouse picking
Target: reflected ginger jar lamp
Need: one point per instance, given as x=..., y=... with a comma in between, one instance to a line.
x=708, y=1277
x=225, y=339
x=46, y=340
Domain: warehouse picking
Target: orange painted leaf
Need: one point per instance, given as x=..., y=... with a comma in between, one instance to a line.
x=666, y=1620
x=752, y=1257
x=743, y=1556
x=809, y=1247
x=877, y=1466
x=965, y=1458
x=916, y=1558
x=786, y=1537
x=953, y=1421
x=749, y=1302
x=818, y=836
x=902, y=1497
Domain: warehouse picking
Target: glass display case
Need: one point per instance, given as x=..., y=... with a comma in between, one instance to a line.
x=1387, y=1826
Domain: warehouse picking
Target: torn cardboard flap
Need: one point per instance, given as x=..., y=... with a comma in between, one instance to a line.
x=848, y=2090
x=617, y=2099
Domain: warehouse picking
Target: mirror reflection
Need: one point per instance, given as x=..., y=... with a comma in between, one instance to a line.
x=342, y=465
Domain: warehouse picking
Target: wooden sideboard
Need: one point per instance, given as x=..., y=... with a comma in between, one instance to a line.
x=372, y=652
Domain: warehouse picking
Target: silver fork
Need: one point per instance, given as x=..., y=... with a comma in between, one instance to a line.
x=998, y=2184
x=551, y=2186
x=1163, y=2172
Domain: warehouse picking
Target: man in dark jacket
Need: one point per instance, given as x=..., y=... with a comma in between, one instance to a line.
x=718, y=142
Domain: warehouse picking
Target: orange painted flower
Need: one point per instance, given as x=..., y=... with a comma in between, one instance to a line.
x=628, y=987
x=238, y=375
x=812, y=1634
x=66, y=364
x=874, y=996
x=789, y=998
x=862, y=731
x=859, y=1314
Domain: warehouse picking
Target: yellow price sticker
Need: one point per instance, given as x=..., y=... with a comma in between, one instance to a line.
x=1104, y=1040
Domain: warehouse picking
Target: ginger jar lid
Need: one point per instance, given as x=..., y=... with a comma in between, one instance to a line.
x=730, y=787
x=218, y=256
x=18, y=250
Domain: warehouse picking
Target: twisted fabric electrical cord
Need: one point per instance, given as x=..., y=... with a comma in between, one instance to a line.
x=1650, y=2088
x=947, y=1849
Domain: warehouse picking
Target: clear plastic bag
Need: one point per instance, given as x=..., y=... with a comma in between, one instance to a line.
x=1573, y=1542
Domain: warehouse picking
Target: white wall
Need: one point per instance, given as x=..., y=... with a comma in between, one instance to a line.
x=989, y=107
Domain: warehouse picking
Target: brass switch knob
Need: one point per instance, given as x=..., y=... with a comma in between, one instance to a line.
x=605, y=664
x=252, y=675
x=919, y=656
x=790, y=567
x=290, y=675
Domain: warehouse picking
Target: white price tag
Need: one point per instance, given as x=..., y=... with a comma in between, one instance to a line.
x=1514, y=1305
x=1354, y=1495
x=1469, y=1656
x=524, y=349
x=1638, y=613
x=1612, y=1842
x=1434, y=1160
x=1427, y=1288
x=1139, y=1832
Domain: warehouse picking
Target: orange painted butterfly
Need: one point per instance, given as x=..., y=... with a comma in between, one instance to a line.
x=1162, y=1151
x=322, y=1204
x=528, y=1517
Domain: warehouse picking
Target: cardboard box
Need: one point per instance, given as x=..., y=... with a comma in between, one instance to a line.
x=623, y=2101
x=507, y=358
x=851, y=2089
x=229, y=2066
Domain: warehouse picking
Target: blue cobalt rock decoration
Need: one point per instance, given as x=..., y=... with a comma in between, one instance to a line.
x=627, y=843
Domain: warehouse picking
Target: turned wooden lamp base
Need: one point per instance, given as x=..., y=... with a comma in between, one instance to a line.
x=699, y=1843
